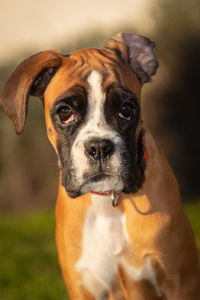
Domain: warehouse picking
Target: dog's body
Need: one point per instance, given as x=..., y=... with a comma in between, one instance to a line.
x=142, y=247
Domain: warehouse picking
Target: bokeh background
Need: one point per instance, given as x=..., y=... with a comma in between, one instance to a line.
x=28, y=166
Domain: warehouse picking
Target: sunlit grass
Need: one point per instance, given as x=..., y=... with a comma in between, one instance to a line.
x=29, y=268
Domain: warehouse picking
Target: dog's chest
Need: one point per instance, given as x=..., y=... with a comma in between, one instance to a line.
x=104, y=238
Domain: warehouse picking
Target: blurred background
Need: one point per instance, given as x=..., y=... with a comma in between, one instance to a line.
x=28, y=165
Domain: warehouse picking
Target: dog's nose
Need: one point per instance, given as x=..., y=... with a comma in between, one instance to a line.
x=99, y=149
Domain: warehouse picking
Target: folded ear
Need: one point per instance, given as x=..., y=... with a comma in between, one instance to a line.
x=31, y=77
x=137, y=52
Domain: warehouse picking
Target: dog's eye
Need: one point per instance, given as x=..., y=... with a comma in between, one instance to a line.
x=65, y=115
x=126, y=111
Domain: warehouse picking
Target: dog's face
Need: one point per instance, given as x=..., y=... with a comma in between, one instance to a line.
x=92, y=109
x=95, y=116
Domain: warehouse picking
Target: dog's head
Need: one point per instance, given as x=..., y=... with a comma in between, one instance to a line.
x=92, y=108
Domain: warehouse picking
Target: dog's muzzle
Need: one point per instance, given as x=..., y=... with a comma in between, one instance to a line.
x=95, y=165
x=101, y=169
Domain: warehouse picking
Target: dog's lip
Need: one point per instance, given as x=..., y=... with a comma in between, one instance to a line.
x=98, y=177
x=95, y=178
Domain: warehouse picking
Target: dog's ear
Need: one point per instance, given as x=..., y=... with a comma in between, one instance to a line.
x=137, y=52
x=31, y=77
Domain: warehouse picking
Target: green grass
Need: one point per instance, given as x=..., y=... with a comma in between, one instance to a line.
x=29, y=268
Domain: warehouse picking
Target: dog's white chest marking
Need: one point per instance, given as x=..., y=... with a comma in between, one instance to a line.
x=104, y=238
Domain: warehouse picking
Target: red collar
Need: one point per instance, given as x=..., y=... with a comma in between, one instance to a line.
x=114, y=196
x=101, y=194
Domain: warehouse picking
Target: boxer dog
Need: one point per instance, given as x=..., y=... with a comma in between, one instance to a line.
x=121, y=230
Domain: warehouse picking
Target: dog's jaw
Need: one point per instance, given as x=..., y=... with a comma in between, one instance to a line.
x=103, y=185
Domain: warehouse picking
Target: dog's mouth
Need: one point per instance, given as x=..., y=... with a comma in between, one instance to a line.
x=100, y=183
x=98, y=177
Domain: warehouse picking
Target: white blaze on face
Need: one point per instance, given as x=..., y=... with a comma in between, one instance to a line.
x=95, y=127
x=96, y=104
